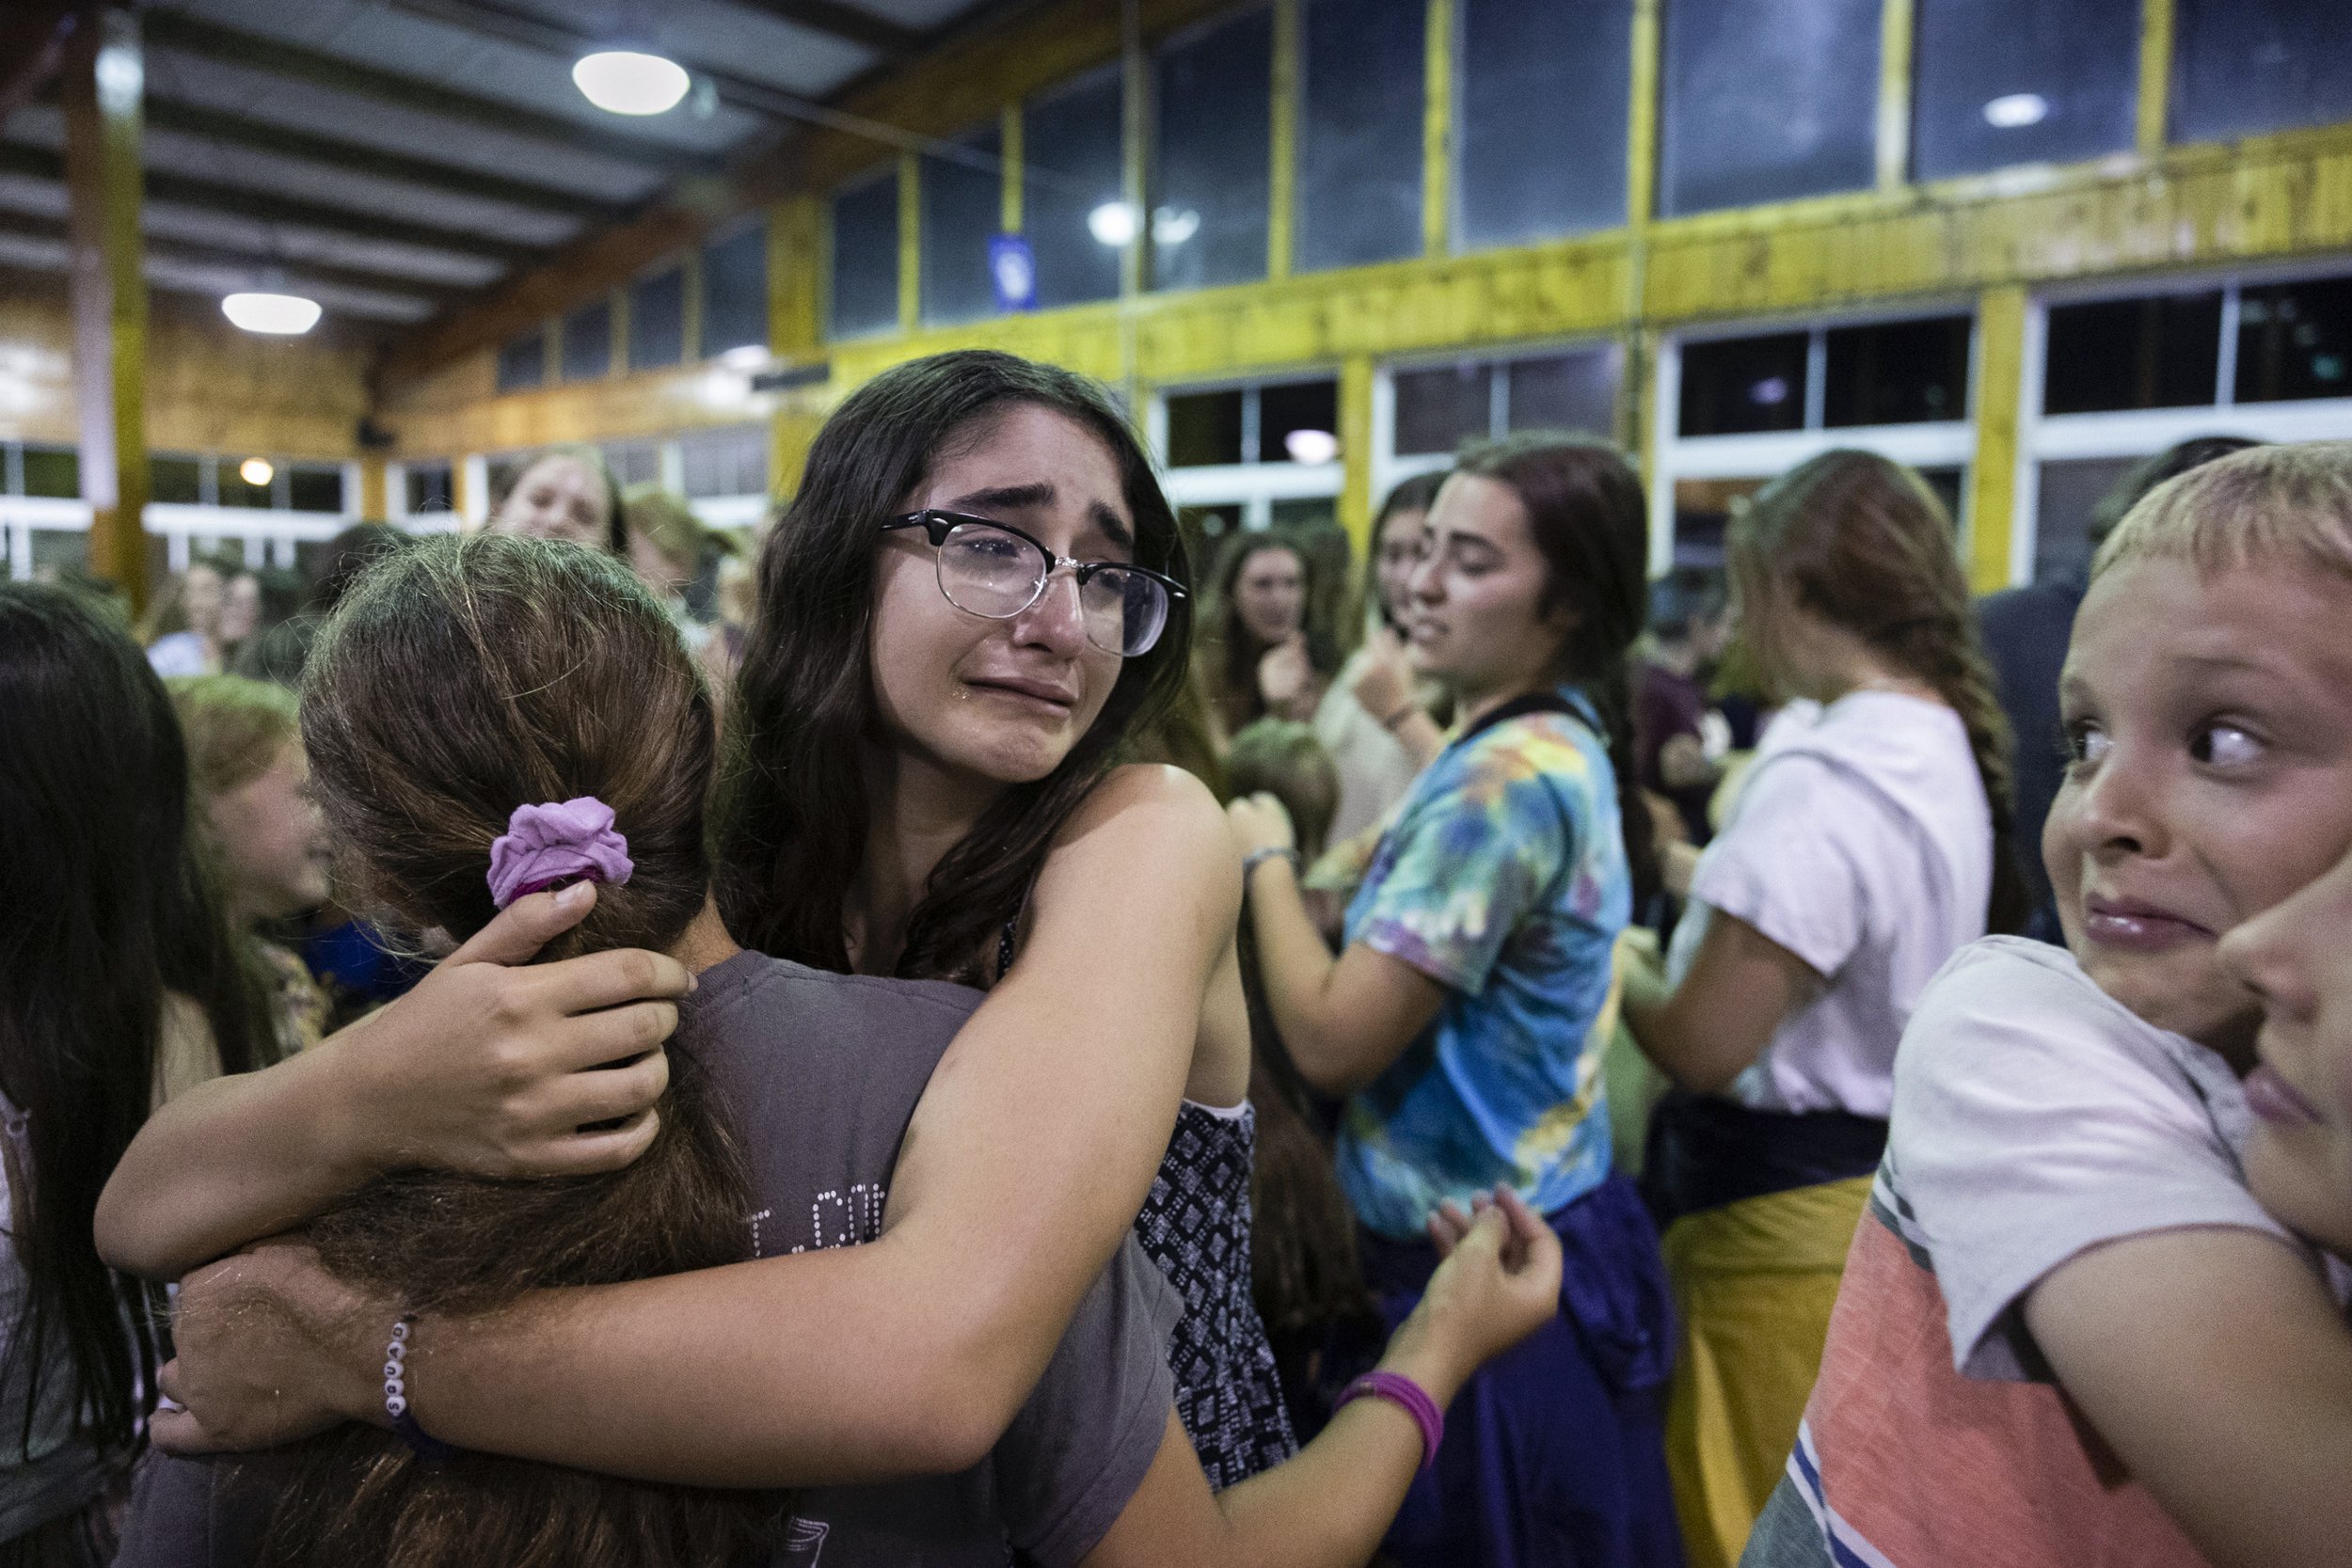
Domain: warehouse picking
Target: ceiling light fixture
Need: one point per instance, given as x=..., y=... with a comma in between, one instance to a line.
x=279, y=315
x=625, y=82
x=1114, y=223
x=257, y=471
x=2015, y=111
x=1312, y=446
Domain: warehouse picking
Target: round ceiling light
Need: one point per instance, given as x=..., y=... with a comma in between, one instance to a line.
x=624, y=82
x=256, y=471
x=282, y=315
x=1312, y=446
x=2015, y=111
x=1114, y=223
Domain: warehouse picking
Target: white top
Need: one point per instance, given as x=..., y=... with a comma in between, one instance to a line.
x=1375, y=768
x=1861, y=842
x=179, y=654
x=2035, y=1117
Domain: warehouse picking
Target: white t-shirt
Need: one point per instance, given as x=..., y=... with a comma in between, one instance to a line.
x=1374, y=767
x=1861, y=842
x=2037, y=1116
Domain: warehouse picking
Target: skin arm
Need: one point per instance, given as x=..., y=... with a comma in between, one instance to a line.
x=1027, y=1159
x=1707, y=1031
x=2231, y=1396
x=482, y=1067
x=1343, y=1019
x=1682, y=763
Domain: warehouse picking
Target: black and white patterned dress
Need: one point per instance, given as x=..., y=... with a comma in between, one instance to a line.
x=1195, y=1224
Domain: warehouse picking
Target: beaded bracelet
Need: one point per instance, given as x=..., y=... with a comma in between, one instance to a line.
x=1400, y=1389
x=431, y=1449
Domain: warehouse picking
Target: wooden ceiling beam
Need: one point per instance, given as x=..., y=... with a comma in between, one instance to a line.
x=189, y=34
x=297, y=273
x=360, y=158
x=262, y=207
x=886, y=37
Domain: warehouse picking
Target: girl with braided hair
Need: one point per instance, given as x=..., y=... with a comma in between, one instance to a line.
x=1871, y=842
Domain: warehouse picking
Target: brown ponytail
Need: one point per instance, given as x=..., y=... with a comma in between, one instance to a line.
x=460, y=679
x=1863, y=543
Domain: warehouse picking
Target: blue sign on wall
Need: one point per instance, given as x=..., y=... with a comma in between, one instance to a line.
x=1013, y=267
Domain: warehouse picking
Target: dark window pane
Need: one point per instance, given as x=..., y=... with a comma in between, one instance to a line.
x=1298, y=405
x=1210, y=181
x=1359, y=132
x=1439, y=408
x=431, y=488
x=1946, y=485
x=633, y=462
x=523, y=363
x=2066, y=496
x=1540, y=105
x=866, y=258
x=314, y=489
x=229, y=485
x=1734, y=385
x=2161, y=352
x=657, y=319
x=2060, y=84
x=1204, y=525
x=588, y=341
x=2295, y=341
x=1071, y=154
x=1312, y=516
x=1204, y=429
x=1563, y=392
x=1766, y=101
x=58, y=552
x=2246, y=66
x=726, y=462
x=962, y=206
x=177, y=480
x=1897, y=373
x=53, y=471
x=735, y=293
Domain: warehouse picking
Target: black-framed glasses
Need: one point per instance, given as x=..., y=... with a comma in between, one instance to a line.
x=994, y=569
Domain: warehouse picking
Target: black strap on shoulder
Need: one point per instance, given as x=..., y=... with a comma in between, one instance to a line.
x=1520, y=708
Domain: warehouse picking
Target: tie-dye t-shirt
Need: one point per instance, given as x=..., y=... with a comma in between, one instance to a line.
x=1503, y=879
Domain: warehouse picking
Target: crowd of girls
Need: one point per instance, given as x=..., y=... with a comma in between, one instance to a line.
x=874, y=1123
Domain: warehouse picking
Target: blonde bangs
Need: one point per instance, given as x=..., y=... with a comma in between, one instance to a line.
x=2264, y=505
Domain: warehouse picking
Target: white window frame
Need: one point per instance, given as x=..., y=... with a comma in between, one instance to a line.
x=1252, y=487
x=2136, y=433
x=1931, y=444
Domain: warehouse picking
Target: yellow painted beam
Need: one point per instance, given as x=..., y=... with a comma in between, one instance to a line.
x=1894, y=128
x=690, y=310
x=1008, y=210
x=1641, y=135
x=796, y=270
x=101, y=96
x=1283, y=181
x=374, y=493
x=910, y=242
x=620, y=332
x=1355, y=510
x=1436, y=132
x=1134, y=156
x=2155, y=75
x=1993, y=477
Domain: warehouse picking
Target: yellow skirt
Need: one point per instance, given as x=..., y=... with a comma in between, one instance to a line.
x=1754, y=1282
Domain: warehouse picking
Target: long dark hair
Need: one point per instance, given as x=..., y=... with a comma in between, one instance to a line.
x=1863, y=543
x=460, y=679
x=1234, y=677
x=105, y=906
x=1584, y=506
x=794, y=807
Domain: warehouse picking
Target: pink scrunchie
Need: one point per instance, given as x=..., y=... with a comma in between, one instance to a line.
x=550, y=843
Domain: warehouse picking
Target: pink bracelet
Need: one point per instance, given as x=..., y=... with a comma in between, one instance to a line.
x=1400, y=1389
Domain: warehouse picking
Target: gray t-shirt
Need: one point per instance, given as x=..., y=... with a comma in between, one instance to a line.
x=820, y=1073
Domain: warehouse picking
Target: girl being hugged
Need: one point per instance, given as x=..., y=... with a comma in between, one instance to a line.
x=2068, y=1333
x=962, y=621
x=1870, y=841
x=1467, y=1015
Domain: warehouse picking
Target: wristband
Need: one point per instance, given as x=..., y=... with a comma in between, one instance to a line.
x=1399, y=1389
x=429, y=1450
x=1257, y=858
